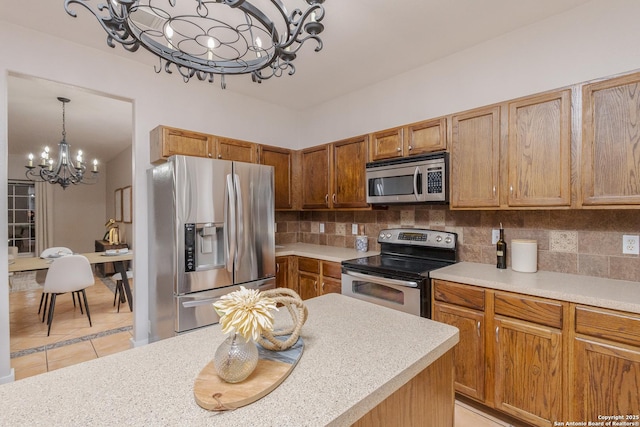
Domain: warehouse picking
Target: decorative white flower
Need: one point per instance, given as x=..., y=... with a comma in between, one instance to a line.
x=246, y=312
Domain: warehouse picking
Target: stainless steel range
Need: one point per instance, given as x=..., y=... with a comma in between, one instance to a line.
x=399, y=277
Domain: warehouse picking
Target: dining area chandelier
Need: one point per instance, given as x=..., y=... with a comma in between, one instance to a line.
x=205, y=38
x=65, y=171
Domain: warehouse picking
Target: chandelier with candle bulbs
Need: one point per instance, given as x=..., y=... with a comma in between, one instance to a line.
x=66, y=170
x=204, y=38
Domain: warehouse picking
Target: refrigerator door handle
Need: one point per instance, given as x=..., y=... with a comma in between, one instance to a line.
x=240, y=218
x=230, y=225
x=197, y=303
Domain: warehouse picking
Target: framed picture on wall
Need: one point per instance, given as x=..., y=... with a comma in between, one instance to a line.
x=118, y=204
x=126, y=205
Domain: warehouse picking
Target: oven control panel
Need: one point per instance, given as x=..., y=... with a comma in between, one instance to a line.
x=419, y=237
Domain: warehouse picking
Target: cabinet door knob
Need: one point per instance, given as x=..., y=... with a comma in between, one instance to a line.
x=497, y=329
x=210, y=155
x=219, y=156
x=478, y=326
x=334, y=197
x=511, y=189
x=326, y=199
x=277, y=268
x=494, y=190
x=398, y=149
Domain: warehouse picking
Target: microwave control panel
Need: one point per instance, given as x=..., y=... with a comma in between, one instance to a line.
x=434, y=180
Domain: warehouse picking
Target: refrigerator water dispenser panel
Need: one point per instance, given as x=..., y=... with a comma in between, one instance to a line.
x=189, y=247
x=209, y=246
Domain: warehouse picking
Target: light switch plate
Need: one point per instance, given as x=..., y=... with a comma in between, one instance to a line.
x=322, y=227
x=495, y=236
x=354, y=229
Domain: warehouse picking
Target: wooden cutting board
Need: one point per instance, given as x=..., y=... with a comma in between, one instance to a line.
x=273, y=367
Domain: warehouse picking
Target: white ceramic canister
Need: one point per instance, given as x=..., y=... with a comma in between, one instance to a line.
x=524, y=255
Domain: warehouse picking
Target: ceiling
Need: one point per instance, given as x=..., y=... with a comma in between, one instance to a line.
x=365, y=41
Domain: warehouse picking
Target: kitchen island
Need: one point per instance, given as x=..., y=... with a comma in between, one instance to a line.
x=360, y=362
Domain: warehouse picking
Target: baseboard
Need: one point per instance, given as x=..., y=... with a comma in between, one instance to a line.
x=9, y=378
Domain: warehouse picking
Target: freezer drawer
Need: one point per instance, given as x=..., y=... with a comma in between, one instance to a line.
x=196, y=310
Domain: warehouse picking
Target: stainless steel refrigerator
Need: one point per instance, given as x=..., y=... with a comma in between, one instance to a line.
x=211, y=229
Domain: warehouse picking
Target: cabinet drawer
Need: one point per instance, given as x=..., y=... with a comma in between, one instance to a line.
x=331, y=269
x=462, y=295
x=529, y=309
x=308, y=264
x=619, y=327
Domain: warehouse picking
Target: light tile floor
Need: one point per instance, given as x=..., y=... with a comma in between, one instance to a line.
x=72, y=340
x=468, y=416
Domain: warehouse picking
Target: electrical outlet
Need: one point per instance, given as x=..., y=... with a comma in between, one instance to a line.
x=322, y=227
x=495, y=236
x=354, y=229
x=630, y=245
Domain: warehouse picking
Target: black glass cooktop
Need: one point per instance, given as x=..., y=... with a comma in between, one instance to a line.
x=395, y=266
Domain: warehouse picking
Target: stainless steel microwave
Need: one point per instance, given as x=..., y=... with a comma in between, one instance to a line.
x=417, y=179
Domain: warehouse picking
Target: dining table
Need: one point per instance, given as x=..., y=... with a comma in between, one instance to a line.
x=118, y=259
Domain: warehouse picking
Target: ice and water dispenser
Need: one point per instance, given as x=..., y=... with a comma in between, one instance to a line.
x=203, y=246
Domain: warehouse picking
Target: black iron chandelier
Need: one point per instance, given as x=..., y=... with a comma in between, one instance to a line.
x=202, y=38
x=65, y=171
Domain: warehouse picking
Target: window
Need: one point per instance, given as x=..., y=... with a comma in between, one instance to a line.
x=21, y=216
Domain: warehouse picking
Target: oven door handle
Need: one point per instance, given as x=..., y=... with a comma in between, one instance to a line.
x=415, y=183
x=382, y=280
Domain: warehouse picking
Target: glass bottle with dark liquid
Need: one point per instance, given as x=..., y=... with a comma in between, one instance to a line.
x=501, y=250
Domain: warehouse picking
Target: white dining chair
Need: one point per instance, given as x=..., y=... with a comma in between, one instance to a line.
x=70, y=273
x=42, y=274
x=119, y=292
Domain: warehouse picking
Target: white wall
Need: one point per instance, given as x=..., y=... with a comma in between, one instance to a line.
x=119, y=173
x=595, y=40
x=598, y=39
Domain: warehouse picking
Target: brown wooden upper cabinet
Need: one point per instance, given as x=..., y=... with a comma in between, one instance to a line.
x=282, y=161
x=417, y=138
x=333, y=175
x=530, y=167
x=234, y=149
x=167, y=141
x=611, y=142
x=539, y=150
x=475, y=159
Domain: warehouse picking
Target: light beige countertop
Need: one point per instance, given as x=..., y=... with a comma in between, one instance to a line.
x=326, y=253
x=356, y=354
x=595, y=291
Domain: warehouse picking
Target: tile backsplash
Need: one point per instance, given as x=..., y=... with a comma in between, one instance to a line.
x=587, y=242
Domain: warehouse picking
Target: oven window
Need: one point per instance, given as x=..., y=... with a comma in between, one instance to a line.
x=394, y=185
x=378, y=291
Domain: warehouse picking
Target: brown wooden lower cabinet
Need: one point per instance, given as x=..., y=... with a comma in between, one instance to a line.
x=309, y=277
x=468, y=355
x=316, y=277
x=606, y=371
x=528, y=371
x=283, y=276
x=542, y=361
